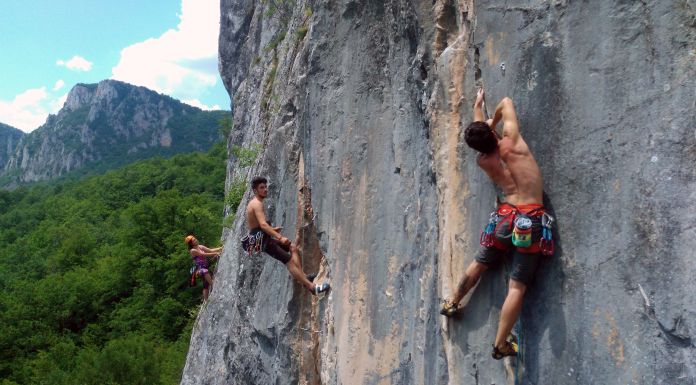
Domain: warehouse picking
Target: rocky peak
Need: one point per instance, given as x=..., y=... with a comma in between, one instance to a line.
x=80, y=95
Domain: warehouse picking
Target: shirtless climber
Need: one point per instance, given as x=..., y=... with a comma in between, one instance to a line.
x=509, y=163
x=272, y=242
x=200, y=255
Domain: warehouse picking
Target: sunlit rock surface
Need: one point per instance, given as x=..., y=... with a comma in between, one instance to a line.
x=366, y=109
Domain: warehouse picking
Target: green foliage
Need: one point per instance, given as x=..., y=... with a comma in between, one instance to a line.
x=236, y=193
x=225, y=126
x=246, y=156
x=273, y=44
x=268, y=86
x=301, y=33
x=280, y=9
x=302, y=30
x=94, y=273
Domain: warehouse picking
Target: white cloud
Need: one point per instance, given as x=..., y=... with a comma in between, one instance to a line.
x=29, y=109
x=182, y=62
x=199, y=104
x=26, y=111
x=58, y=103
x=77, y=63
x=59, y=84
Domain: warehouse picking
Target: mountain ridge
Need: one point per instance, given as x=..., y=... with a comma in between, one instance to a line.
x=106, y=125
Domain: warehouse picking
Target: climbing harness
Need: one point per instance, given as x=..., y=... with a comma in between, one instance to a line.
x=252, y=243
x=546, y=242
x=522, y=227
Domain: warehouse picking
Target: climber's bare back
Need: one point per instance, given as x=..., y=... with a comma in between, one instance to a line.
x=519, y=159
x=497, y=170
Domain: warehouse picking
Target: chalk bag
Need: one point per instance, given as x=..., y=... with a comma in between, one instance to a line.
x=522, y=233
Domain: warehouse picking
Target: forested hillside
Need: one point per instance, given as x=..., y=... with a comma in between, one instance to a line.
x=94, y=273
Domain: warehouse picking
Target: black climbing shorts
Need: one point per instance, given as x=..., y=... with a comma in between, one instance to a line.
x=277, y=250
x=273, y=247
x=523, y=264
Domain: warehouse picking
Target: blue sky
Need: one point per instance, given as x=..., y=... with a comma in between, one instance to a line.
x=49, y=46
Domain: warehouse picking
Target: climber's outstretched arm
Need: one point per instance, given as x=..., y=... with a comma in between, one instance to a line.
x=505, y=111
x=198, y=253
x=478, y=106
x=208, y=250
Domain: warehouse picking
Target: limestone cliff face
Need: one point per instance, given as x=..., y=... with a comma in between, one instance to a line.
x=109, y=124
x=9, y=137
x=359, y=106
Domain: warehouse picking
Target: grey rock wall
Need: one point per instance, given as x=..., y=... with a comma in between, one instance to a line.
x=9, y=137
x=361, y=120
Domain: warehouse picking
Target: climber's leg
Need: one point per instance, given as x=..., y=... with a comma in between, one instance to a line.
x=487, y=258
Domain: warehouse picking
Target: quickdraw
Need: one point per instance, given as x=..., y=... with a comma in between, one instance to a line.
x=252, y=243
x=488, y=234
x=193, y=272
x=546, y=242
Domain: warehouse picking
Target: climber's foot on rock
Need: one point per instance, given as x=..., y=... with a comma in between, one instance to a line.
x=449, y=308
x=508, y=348
x=322, y=288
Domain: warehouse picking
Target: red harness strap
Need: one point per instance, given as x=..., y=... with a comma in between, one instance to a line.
x=508, y=212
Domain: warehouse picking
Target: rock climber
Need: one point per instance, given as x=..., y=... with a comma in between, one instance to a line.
x=200, y=255
x=516, y=224
x=268, y=239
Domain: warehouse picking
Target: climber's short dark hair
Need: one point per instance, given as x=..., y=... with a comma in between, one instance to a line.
x=257, y=181
x=480, y=137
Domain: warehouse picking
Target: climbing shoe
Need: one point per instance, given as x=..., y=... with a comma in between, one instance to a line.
x=449, y=309
x=310, y=277
x=323, y=288
x=508, y=349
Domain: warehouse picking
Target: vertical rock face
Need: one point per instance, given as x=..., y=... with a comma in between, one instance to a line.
x=9, y=137
x=360, y=107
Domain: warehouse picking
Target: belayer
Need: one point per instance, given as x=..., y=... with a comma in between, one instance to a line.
x=516, y=226
x=263, y=237
x=200, y=254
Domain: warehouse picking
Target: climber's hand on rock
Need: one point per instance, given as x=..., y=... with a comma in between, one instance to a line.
x=480, y=95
